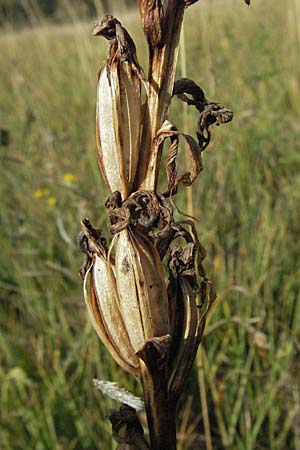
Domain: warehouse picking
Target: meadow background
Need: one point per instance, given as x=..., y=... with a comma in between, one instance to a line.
x=247, y=201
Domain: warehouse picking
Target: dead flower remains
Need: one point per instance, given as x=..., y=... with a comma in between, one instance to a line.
x=152, y=326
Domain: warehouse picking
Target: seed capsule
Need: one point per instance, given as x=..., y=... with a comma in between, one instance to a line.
x=141, y=288
x=102, y=304
x=118, y=112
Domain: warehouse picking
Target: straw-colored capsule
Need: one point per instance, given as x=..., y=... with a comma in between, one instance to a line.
x=118, y=123
x=101, y=299
x=141, y=288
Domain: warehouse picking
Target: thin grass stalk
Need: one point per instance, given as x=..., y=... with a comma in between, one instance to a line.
x=191, y=212
x=185, y=115
x=203, y=398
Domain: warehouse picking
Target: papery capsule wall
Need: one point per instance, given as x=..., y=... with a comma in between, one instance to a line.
x=102, y=304
x=141, y=288
x=118, y=122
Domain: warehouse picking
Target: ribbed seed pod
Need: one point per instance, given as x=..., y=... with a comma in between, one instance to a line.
x=187, y=342
x=102, y=303
x=190, y=301
x=141, y=288
x=118, y=123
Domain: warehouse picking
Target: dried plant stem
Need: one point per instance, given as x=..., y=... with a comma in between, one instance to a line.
x=162, y=63
x=151, y=326
x=161, y=424
x=189, y=191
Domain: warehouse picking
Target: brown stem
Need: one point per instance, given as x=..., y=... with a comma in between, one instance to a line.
x=161, y=423
x=163, y=52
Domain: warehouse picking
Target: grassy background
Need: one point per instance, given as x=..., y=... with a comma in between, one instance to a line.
x=246, y=199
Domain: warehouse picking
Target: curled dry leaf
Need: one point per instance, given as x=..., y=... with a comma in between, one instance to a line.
x=155, y=352
x=169, y=131
x=146, y=210
x=118, y=112
x=210, y=113
x=187, y=348
x=127, y=430
x=163, y=51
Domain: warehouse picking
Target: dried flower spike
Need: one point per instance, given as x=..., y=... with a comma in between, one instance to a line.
x=151, y=331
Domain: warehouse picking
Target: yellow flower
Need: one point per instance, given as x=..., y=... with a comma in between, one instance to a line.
x=52, y=201
x=38, y=193
x=69, y=177
x=44, y=192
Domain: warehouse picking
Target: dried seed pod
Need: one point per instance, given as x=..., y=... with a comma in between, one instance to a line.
x=141, y=288
x=187, y=348
x=102, y=304
x=118, y=112
x=187, y=316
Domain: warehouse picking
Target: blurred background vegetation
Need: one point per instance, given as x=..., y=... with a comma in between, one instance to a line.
x=246, y=199
x=21, y=12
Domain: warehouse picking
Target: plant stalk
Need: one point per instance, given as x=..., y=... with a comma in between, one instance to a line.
x=162, y=64
x=161, y=422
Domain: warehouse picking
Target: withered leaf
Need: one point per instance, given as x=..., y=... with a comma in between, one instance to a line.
x=210, y=113
x=146, y=210
x=132, y=438
x=185, y=86
x=121, y=43
x=169, y=131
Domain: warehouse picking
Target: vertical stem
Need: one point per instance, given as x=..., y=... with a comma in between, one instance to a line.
x=191, y=212
x=162, y=65
x=203, y=399
x=161, y=423
x=189, y=190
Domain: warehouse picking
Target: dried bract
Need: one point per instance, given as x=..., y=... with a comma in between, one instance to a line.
x=133, y=437
x=191, y=302
x=146, y=210
x=169, y=131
